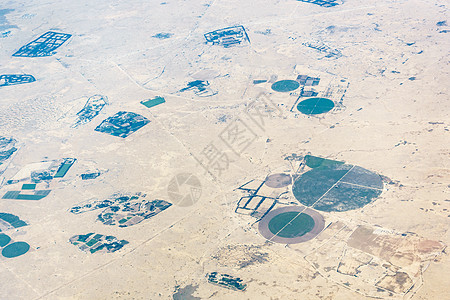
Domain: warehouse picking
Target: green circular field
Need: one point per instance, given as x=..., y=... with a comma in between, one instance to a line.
x=315, y=106
x=337, y=187
x=285, y=86
x=15, y=249
x=4, y=240
x=291, y=224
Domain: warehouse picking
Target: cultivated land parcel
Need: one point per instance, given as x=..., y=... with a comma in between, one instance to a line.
x=224, y=149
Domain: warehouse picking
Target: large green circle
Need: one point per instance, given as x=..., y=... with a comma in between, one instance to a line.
x=338, y=187
x=285, y=86
x=4, y=240
x=315, y=106
x=15, y=249
x=291, y=224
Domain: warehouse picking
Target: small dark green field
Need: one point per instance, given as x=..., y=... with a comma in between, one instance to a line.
x=291, y=224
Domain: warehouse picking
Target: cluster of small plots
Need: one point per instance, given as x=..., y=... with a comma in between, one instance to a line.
x=226, y=281
x=318, y=184
x=323, y=3
x=30, y=183
x=121, y=124
x=121, y=210
x=90, y=110
x=309, y=102
x=97, y=243
x=33, y=181
x=227, y=37
x=13, y=79
x=319, y=46
x=201, y=88
x=10, y=248
x=45, y=45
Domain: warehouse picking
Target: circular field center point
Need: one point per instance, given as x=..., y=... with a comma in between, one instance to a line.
x=315, y=106
x=285, y=86
x=15, y=249
x=278, y=180
x=291, y=225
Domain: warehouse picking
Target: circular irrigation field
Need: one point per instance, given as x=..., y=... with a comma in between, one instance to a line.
x=4, y=240
x=338, y=187
x=285, y=86
x=15, y=249
x=291, y=225
x=278, y=180
x=315, y=106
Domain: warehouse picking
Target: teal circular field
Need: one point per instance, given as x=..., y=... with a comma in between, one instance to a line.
x=337, y=187
x=291, y=224
x=285, y=86
x=4, y=240
x=315, y=106
x=15, y=249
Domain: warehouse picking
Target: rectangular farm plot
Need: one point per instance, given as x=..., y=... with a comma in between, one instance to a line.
x=64, y=167
x=323, y=3
x=29, y=186
x=307, y=80
x=98, y=242
x=88, y=176
x=45, y=45
x=227, y=37
x=153, y=102
x=31, y=182
x=9, y=221
x=226, y=281
x=20, y=195
x=315, y=161
x=13, y=79
x=122, y=124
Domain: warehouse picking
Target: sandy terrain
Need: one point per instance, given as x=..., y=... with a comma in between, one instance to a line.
x=383, y=65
